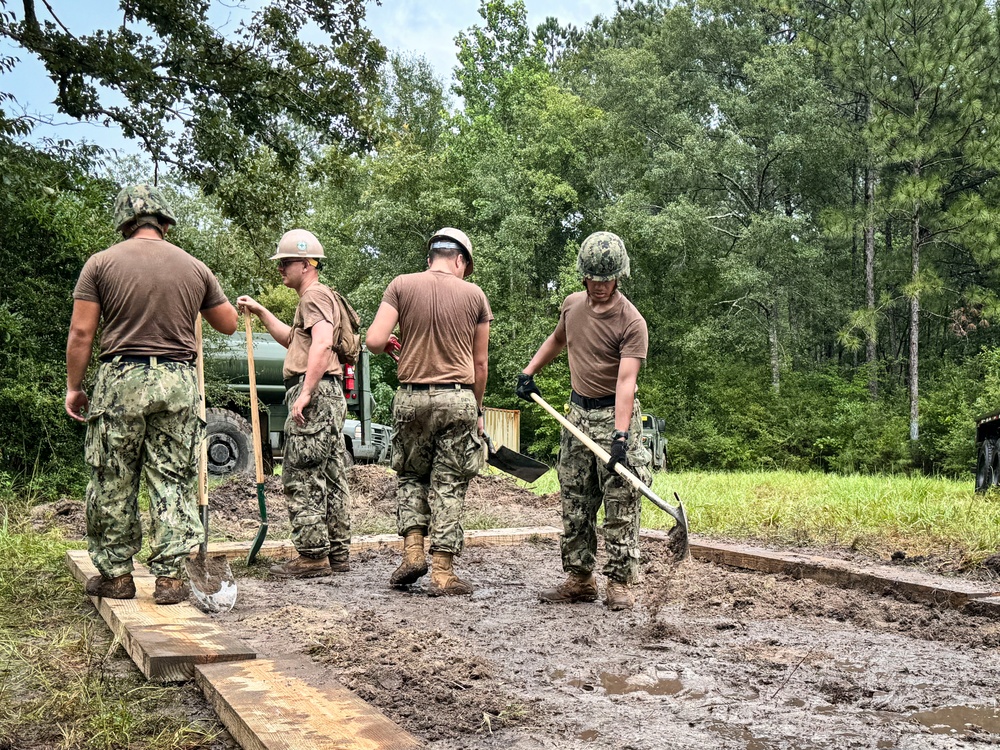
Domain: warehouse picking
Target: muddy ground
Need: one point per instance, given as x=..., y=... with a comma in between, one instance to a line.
x=710, y=658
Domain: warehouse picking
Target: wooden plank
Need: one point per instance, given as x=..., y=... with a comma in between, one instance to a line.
x=165, y=642
x=283, y=550
x=287, y=703
x=879, y=579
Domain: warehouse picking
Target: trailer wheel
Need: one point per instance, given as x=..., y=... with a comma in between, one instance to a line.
x=986, y=463
x=348, y=456
x=230, y=443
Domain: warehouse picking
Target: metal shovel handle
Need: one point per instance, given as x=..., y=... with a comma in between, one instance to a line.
x=677, y=513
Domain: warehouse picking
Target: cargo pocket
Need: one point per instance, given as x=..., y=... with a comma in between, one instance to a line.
x=307, y=445
x=402, y=416
x=94, y=443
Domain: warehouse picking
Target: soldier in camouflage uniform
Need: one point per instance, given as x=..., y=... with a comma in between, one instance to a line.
x=437, y=448
x=606, y=340
x=143, y=418
x=313, y=473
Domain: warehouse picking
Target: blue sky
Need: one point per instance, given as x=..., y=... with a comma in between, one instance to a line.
x=423, y=28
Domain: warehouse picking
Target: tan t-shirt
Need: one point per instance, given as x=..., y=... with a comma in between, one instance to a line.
x=596, y=343
x=150, y=293
x=316, y=303
x=438, y=315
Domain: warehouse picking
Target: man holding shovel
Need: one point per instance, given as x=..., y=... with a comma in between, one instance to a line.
x=313, y=472
x=606, y=341
x=444, y=324
x=144, y=416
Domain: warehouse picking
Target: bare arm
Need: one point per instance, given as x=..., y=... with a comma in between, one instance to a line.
x=282, y=333
x=481, y=360
x=79, y=345
x=628, y=373
x=316, y=364
x=222, y=318
x=547, y=352
x=381, y=328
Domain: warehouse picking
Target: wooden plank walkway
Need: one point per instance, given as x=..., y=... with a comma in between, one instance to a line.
x=165, y=642
x=287, y=703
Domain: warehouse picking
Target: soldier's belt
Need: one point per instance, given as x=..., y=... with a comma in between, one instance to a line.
x=296, y=379
x=121, y=359
x=592, y=403
x=435, y=386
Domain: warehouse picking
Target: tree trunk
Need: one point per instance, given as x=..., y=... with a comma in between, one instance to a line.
x=871, y=354
x=915, y=321
x=772, y=336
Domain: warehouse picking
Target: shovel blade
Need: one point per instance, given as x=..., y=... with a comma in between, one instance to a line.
x=212, y=583
x=516, y=464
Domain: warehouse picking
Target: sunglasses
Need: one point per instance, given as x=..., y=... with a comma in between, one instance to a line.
x=285, y=262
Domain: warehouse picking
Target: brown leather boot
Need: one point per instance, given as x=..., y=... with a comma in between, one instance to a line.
x=339, y=564
x=302, y=567
x=170, y=590
x=120, y=587
x=444, y=582
x=414, y=562
x=576, y=588
x=619, y=596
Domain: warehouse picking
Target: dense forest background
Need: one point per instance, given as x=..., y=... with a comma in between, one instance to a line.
x=808, y=191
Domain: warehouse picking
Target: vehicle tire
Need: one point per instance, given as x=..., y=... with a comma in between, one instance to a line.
x=230, y=443
x=986, y=466
x=348, y=456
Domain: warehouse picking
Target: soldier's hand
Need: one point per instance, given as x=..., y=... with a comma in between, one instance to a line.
x=247, y=304
x=618, y=448
x=526, y=386
x=299, y=408
x=76, y=404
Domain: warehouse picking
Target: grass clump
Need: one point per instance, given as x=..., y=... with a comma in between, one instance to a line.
x=64, y=682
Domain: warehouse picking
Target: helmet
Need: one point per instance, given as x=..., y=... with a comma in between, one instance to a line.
x=458, y=236
x=298, y=243
x=602, y=257
x=138, y=202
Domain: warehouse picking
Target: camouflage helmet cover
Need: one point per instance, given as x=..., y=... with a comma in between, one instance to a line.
x=459, y=237
x=298, y=243
x=602, y=257
x=137, y=202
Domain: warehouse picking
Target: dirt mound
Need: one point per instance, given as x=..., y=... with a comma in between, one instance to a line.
x=67, y=515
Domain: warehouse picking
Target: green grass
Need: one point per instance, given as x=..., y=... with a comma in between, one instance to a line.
x=872, y=514
x=64, y=682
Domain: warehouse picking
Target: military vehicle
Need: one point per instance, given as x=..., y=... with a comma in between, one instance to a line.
x=987, y=451
x=229, y=431
x=654, y=440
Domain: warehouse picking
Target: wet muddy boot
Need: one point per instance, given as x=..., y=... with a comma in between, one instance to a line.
x=120, y=587
x=339, y=564
x=170, y=590
x=576, y=588
x=444, y=582
x=414, y=562
x=302, y=567
x=619, y=596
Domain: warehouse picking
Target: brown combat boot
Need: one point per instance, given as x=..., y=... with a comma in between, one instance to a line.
x=120, y=587
x=302, y=567
x=444, y=582
x=619, y=596
x=339, y=564
x=170, y=590
x=576, y=588
x=414, y=562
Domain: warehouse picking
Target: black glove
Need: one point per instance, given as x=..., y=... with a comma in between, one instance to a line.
x=618, y=455
x=526, y=386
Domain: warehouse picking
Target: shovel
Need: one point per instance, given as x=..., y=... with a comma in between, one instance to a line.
x=258, y=459
x=212, y=580
x=677, y=539
x=515, y=464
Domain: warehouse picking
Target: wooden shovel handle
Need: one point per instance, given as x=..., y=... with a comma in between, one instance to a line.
x=203, y=449
x=258, y=458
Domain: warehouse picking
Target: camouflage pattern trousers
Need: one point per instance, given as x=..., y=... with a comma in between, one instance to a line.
x=436, y=450
x=585, y=484
x=314, y=474
x=143, y=419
